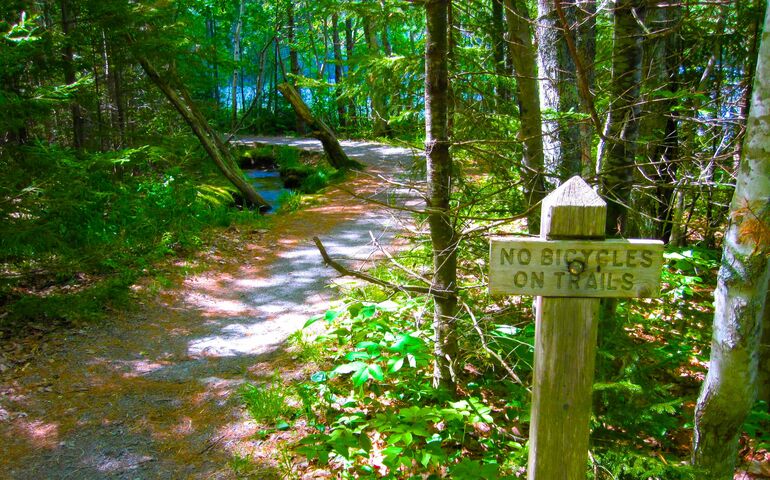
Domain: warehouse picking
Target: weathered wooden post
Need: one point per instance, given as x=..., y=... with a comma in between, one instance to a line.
x=567, y=268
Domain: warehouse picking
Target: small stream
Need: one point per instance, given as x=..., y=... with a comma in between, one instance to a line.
x=269, y=184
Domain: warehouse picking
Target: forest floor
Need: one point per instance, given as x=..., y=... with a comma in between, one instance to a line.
x=150, y=395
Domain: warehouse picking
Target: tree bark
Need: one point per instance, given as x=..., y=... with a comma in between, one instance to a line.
x=299, y=124
x=236, y=66
x=618, y=166
x=748, y=81
x=658, y=124
x=70, y=78
x=320, y=130
x=558, y=91
x=740, y=297
x=585, y=43
x=337, y=49
x=502, y=92
x=386, y=46
x=439, y=168
x=211, y=31
x=349, y=47
x=379, y=102
x=113, y=71
x=524, y=59
x=453, y=24
x=208, y=139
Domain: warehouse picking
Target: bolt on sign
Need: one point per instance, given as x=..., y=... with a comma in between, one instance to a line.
x=575, y=268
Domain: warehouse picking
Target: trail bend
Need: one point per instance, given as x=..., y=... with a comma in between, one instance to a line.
x=149, y=395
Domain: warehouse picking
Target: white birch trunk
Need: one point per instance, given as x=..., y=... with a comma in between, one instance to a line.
x=730, y=387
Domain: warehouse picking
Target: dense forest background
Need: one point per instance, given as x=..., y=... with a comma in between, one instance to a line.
x=115, y=152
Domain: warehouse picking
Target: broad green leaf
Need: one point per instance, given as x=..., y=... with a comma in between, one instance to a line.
x=375, y=371
x=395, y=364
x=349, y=368
x=360, y=356
x=361, y=376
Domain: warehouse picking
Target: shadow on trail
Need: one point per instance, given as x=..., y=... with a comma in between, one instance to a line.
x=150, y=395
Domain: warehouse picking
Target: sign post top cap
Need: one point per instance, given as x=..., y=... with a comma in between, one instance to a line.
x=574, y=192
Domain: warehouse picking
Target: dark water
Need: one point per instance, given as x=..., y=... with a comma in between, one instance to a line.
x=268, y=183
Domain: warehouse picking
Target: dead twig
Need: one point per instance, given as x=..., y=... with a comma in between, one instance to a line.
x=368, y=278
x=387, y=254
x=489, y=350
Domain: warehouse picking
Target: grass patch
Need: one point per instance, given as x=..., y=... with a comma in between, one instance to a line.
x=265, y=403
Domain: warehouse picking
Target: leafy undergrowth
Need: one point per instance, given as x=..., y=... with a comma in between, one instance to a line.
x=79, y=228
x=369, y=410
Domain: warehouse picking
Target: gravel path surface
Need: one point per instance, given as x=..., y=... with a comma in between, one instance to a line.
x=149, y=396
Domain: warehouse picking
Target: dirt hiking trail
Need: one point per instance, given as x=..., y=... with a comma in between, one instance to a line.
x=149, y=395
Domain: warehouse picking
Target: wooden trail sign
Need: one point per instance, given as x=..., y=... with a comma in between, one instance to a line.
x=575, y=268
x=569, y=268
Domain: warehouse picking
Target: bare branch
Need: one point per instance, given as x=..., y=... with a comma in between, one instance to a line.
x=387, y=254
x=368, y=278
x=489, y=350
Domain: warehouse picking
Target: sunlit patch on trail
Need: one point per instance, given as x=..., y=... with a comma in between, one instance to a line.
x=249, y=283
x=213, y=305
x=122, y=462
x=39, y=433
x=142, y=367
x=245, y=339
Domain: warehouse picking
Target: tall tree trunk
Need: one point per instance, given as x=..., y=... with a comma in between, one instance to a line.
x=349, y=47
x=236, y=66
x=523, y=57
x=70, y=78
x=453, y=25
x=740, y=297
x=558, y=90
x=299, y=124
x=208, y=139
x=678, y=236
x=379, y=102
x=502, y=92
x=273, y=100
x=258, y=99
x=100, y=121
x=617, y=173
x=337, y=49
x=585, y=43
x=211, y=31
x=439, y=165
x=320, y=63
x=658, y=124
x=113, y=69
x=386, y=46
x=748, y=80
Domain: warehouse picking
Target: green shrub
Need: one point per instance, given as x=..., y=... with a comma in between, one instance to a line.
x=106, y=214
